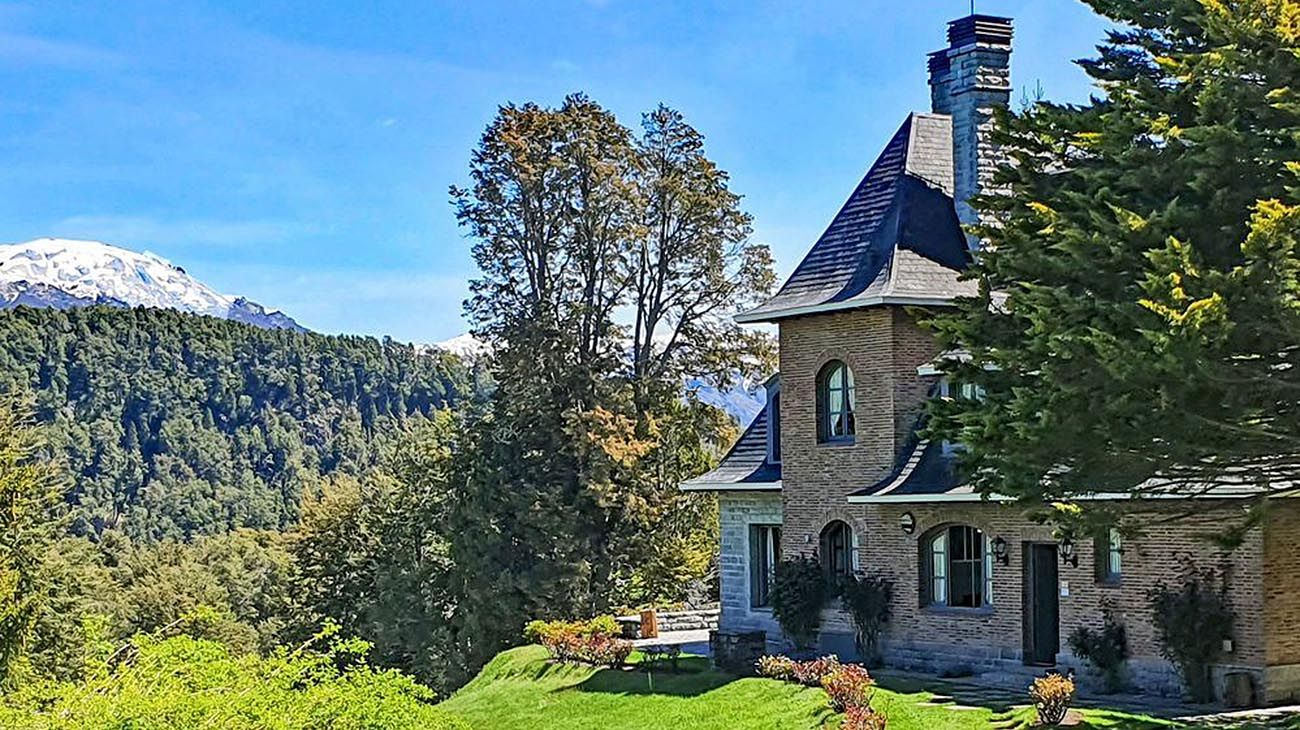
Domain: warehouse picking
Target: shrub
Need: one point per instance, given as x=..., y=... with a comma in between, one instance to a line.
x=867, y=601
x=594, y=642
x=848, y=686
x=182, y=683
x=862, y=718
x=607, y=650
x=1104, y=649
x=810, y=673
x=1193, y=619
x=776, y=667
x=1052, y=696
x=797, y=599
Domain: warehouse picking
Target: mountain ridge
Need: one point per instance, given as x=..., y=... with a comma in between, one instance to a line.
x=62, y=273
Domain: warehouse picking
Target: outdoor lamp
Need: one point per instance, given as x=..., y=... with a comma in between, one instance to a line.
x=1068, y=556
x=1000, y=551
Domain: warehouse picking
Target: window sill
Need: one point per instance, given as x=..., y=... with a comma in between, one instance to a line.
x=837, y=444
x=981, y=612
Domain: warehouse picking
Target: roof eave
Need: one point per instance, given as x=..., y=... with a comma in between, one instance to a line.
x=730, y=487
x=757, y=317
x=968, y=497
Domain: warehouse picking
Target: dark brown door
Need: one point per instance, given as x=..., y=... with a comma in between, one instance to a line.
x=1041, y=615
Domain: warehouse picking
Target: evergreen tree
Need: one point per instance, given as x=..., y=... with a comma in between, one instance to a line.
x=175, y=425
x=1137, y=329
x=28, y=494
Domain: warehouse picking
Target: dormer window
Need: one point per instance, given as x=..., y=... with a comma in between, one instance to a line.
x=835, y=403
x=962, y=391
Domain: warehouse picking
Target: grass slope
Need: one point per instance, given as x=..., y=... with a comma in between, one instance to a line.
x=521, y=690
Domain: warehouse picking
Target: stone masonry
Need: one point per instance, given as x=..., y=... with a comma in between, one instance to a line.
x=968, y=80
x=739, y=510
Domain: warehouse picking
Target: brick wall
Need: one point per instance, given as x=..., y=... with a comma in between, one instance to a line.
x=1281, y=622
x=737, y=511
x=883, y=347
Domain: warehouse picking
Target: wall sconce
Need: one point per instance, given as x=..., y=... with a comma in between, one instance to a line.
x=1000, y=551
x=907, y=523
x=1068, y=555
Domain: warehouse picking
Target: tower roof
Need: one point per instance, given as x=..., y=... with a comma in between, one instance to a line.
x=897, y=239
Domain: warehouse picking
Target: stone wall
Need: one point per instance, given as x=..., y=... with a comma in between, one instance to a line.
x=737, y=511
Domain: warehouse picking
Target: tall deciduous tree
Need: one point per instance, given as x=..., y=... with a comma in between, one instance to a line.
x=693, y=265
x=1137, y=330
x=568, y=500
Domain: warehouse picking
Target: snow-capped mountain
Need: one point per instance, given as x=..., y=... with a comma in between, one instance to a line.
x=742, y=401
x=62, y=273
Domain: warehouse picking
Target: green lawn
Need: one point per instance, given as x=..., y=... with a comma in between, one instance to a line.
x=521, y=690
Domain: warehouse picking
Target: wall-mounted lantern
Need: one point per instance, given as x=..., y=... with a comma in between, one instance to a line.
x=1000, y=551
x=1068, y=554
x=907, y=522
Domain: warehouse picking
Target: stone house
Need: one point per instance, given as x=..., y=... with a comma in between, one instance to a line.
x=833, y=467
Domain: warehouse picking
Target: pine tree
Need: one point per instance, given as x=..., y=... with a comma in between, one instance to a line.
x=1137, y=327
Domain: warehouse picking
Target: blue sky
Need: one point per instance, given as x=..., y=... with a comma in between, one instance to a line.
x=299, y=153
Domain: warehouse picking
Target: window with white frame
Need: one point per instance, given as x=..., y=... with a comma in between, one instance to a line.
x=836, y=403
x=958, y=565
x=1110, y=556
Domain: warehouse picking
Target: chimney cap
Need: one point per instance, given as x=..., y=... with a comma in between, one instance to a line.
x=988, y=29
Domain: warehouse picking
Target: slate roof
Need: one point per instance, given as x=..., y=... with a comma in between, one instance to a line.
x=925, y=473
x=897, y=240
x=745, y=467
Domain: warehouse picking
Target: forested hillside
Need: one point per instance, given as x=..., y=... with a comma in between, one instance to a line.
x=173, y=425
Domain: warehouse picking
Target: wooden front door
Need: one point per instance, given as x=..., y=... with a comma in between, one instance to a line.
x=1042, y=628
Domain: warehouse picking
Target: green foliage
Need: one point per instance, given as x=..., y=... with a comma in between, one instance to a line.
x=1105, y=649
x=372, y=554
x=1193, y=619
x=185, y=683
x=867, y=600
x=798, y=595
x=1139, y=284
x=567, y=500
x=241, y=582
x=28, y=493
x=175, y=425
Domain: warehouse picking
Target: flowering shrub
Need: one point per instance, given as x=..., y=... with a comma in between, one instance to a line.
x=848, y=686
x=862, y=718
x=594, y=642
x=1052, y=696
x=810, y=673
x=780, y=668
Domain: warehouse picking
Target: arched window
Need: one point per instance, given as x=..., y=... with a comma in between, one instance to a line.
x=958, y=566
x=835, y=403
x=837, y=550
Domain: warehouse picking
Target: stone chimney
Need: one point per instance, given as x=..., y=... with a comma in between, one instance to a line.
x=967, y=80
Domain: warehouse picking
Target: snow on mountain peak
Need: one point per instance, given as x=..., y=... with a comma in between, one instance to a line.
x=59, y=272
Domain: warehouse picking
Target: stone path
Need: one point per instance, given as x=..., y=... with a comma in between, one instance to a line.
x=676, y=638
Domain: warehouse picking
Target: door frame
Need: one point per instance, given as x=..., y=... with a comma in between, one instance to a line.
x=1035, y=555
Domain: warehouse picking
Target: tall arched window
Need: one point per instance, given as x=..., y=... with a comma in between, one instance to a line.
x=835, y=403
x=837, y=550
x=958, y=566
